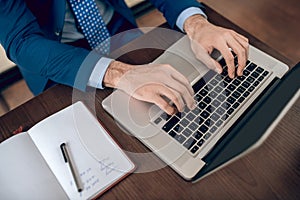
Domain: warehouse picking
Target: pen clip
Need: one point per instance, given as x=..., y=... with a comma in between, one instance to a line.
x=62, y=147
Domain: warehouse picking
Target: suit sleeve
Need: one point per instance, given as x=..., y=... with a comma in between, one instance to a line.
x=171, y=9
x=28, y=47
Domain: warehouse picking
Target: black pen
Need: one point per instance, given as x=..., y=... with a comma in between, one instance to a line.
x=68, y=160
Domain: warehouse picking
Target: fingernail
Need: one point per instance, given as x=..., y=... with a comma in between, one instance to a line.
x=232, y=74
x=194, y=106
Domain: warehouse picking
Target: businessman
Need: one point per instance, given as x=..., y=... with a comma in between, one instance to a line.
x=49, y=41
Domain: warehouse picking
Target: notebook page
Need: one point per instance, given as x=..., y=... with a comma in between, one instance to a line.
x=97, y=159
x=24, y=174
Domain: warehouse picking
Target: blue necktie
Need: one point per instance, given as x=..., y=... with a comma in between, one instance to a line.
x=91, y=24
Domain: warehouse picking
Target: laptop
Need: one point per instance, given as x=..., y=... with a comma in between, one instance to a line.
x=184, y=140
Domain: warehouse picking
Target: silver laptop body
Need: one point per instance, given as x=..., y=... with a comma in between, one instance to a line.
x=147, y=122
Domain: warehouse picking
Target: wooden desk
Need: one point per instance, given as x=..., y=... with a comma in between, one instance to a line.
x=270, y=172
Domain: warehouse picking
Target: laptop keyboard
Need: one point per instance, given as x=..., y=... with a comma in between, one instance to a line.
x=218, y=97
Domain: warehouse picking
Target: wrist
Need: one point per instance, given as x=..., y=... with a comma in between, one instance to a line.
x=114, y=73
x=193, y=21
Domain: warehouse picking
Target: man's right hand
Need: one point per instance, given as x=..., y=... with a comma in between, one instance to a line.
x=154, y=83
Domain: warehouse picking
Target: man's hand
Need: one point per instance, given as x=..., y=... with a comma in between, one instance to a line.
x=154, y=83
x=205, y=37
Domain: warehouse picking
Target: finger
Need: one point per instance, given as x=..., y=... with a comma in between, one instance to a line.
x=177, y=82
x=203, y=55
x=183, y=81
x=245, y=44
x=229, y=59
x=164, y=105
x=241, y=37
x=239, y=50
x=185, y=95
x=172, y=95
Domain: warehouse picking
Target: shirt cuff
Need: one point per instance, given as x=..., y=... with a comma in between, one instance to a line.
x=186, y=14
x=98, y=73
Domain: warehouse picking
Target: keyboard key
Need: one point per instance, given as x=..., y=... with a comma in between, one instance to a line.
x=199, y=120
x=199, y=85
x=218, y=89
x=241, y=99
x=219, y=123
x=210, y=109
x=219, y=77
x=206, y=136
x=187, y=132
x=241, y=78
x=241, y=89
x=227, y=92
x=225, y=105
x=216, y=103
x=250, y=89
x=178, y=128
x=200, y=143
x=213, y=94
x=203, y=92
x=172, y=133
x=209, y=87
x=235, y=105
x=213, y=82
x=207, y=99
x=157, y=120
x=225, y=116
x=197, y=97
x=189, y=143
x=170, y=124
x=231, y=87
x=256, y=83
x=184, y=122
x=204, y=114
x=209, y=122
x=236, y=94
x=180, y=138
x=261, y=78
x=193, y=126
x=230, y=111
x=250, y=79
x=227, y=79
x=254, y=74
x=213, y=129
x=203, y=129
x=221, y=98
x=190, y=116
x=198, y=135
x=223, y=84
x=251, y=67
x=259, y=70
x=194, y=149
x=265, y=73
x=246, y=72
x=224, y=72
x=246, y=94
x=196, y=111
x=230, y=100
x=165, y=116
x=215, y=117
x=202, y=105
x=220, y=111
x=245, y=84
x=236, y=82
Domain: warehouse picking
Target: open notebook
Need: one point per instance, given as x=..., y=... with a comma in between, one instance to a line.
x=33, y=167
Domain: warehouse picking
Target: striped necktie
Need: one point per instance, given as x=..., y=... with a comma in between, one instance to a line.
x=92, y=25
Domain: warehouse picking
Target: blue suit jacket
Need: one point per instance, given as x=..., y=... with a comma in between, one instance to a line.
x=30, y=32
